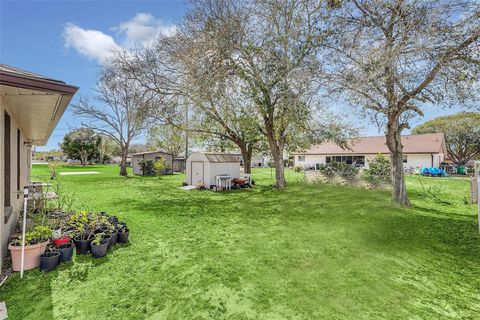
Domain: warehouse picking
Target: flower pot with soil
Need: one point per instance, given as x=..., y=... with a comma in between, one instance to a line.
x=123, y=235
x=99, y=247
x=35, y=243
x=82, y=245
x=66, y=252
x=49, y=261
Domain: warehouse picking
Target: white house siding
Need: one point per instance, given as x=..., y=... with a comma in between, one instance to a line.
x=310, y=160
x=16, y=199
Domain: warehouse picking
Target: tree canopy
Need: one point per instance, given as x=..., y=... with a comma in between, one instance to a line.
x=462, y=134
x=81, y=144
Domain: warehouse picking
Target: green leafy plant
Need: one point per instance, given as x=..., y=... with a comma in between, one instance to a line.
x=379, y=170
x=98, y=238
x=159, y=167
x=147, y=167
x=38, y=235
x=339, y=169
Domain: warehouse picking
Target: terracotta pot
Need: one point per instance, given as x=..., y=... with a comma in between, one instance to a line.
x=32, y=255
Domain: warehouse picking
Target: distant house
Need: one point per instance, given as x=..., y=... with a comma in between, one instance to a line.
x=30, y=107
x=150, y=155
x=423, y=150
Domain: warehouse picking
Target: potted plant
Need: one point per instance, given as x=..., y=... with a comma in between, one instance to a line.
x=66, y=251
x=85, y=226
x=35, y=243
x=49, y=260
x=123, y=234
x=99, y=246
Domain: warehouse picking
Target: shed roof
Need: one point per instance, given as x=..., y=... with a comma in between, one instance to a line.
x=419, y=143
x=221, y=157
x=149, y=152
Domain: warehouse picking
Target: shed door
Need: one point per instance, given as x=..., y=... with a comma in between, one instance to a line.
x=197, y=173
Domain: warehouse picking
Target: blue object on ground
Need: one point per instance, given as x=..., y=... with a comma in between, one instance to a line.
x=434, y=172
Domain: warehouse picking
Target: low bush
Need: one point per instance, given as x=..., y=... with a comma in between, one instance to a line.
x=379, y=170
x=339, y=169
x=148, y=167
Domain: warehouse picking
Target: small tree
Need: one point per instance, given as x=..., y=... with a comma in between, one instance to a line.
x=82, y=144
x=462, y=134
x=122, y=110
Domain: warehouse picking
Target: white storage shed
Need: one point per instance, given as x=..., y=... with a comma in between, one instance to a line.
x=202, y=169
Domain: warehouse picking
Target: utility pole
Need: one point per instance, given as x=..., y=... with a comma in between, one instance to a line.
x=186, y=131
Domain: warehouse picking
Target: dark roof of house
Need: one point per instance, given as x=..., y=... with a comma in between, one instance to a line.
x=149, y=152
x=15, y=77
x=221, y=157
x=420, y=143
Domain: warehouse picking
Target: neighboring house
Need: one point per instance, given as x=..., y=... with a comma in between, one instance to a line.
x=30, y=107
x=150, y=155
x=423, y=150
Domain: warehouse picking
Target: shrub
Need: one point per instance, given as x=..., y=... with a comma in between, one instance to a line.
x=159, y=167
x=340, y=169
x=147, y=167
x=379, y=170
x=298, y=168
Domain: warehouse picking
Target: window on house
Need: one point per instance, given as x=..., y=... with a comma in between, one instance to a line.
x=405, y=158
x=6, y=159
x=328, y=159
x=301, y=158
x=317, y=166
x=359, y=160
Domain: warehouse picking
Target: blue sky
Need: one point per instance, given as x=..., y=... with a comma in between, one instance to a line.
x=67, y=40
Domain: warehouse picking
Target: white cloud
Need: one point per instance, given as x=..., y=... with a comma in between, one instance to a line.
x=144, y=29
x=92, y=43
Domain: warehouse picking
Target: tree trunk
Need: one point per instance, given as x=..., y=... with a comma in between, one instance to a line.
x=247, y=158
x=279, y=168
x=123, y=162
x=83, y=158
x=394, y=143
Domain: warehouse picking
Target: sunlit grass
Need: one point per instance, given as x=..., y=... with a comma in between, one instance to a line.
x=308, y=252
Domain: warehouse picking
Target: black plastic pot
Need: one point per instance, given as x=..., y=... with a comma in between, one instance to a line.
x=66, y=252
x=82, y=246
x=49, y=261
x=109, y=240
x=113, y=239
x=100, y=250
x=123, y=235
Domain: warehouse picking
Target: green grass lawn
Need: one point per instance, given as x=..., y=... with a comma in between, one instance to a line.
x=308, y=252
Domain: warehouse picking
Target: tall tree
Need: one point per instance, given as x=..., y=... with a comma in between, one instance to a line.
x=122, y=109
x=168, y=138
x=392, y=57
x=462, y=134
x=81, y=144
x=270, y=49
